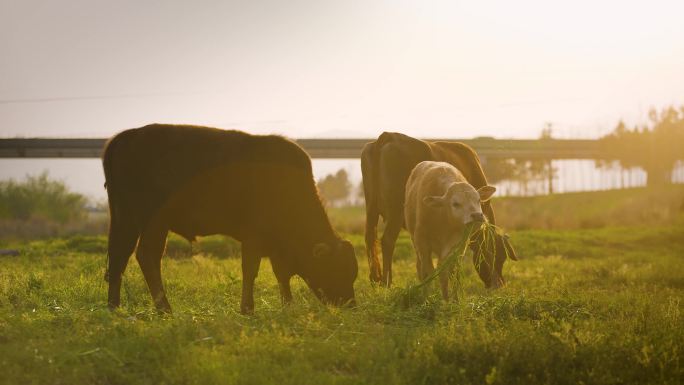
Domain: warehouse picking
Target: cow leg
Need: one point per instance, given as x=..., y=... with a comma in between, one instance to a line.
x=283, y=277
x=424, y=265
x=123, y=237
x=425, y=261
x=419, y=267
x=149, y=256
x=372, y=217
x=250, y=269
x=444, y=279
x=370, y=186
x=389, y=239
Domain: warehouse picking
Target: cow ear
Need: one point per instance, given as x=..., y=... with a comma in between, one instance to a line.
x=320, y=250
x=486, y=192
x=433, y=201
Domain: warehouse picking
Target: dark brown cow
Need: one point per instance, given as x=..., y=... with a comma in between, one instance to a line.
x=386, y=165
x=199, y=181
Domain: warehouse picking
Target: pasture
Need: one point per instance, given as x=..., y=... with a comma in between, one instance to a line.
x=593, y=305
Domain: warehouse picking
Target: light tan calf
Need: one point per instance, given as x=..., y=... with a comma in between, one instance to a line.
x=439, y=203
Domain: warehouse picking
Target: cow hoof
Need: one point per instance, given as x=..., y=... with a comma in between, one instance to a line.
x=247, y=310
x=375, y=277
x=164, y=311
x=497, y=284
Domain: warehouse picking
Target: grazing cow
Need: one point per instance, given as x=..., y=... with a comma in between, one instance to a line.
x=385, y=165
x=198, y=181
x=439, y=204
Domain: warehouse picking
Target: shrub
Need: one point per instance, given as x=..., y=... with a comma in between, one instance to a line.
x=39, y=197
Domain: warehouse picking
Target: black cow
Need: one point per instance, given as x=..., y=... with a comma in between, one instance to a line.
x=196, y=181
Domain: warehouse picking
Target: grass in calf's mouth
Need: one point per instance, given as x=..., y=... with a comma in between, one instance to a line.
x=418, y=293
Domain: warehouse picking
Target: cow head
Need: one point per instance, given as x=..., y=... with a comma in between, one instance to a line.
x=490, y=267
x=333, y=272
x=461, y=202
x=464, y=205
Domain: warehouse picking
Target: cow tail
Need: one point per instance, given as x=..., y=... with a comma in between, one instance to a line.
x=123, y=232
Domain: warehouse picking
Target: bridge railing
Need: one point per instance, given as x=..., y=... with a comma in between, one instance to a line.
x=323, y=148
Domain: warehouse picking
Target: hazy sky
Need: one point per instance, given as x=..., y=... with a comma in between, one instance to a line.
x=338, y=68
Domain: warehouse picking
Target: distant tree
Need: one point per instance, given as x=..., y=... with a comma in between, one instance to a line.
x=617, y=145
x=547, y=131
x=335, y=188
x=656, y=147
x=360, y=193
x=511, y=169
x=522, y=173
x=521, y=170
x=498, y=169
x=542, y=169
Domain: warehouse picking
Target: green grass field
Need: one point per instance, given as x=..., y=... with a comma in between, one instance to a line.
x=596, y=298
x=592, y=306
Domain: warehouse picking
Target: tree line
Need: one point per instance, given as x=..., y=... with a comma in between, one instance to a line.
x=655, y=146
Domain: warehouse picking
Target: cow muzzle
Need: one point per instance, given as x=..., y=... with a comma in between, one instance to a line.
x=477, y=217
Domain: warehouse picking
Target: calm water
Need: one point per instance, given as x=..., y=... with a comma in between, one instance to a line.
x=85, y=175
